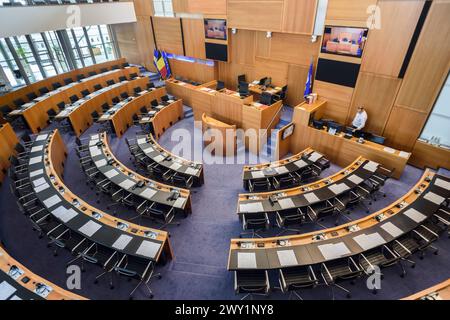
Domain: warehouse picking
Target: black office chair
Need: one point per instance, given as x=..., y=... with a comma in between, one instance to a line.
x=61, y=105
x=115, y=67
x=241, y=78
x=297, y=278
x=85, y=92
x=103, y=70
x=320, y=211
x=154, y=103
x=138, y=268
x=125, y=64
x=115, y=100
x=150, y=85
x=266, y=98
x=51, y=115
x=162, y=213
x=97, y=87
x=68, y=81
x=56, y=85
x=105, y=107
x=251, y=282
x=19, y=102
x=122, y=78
x=124, y=95
x=137, y=90
x=80, y=77
x=110, y=82
x=340, y=270
x=282, y=94
x=133, y=75
x=289, y=217
x=259, y=185
x=92, y=73
x=256, y=222
x=31, y=96
x=220, y=85
x=243, y=89
x=73, y=98
x=95, y=116
x=285, y=182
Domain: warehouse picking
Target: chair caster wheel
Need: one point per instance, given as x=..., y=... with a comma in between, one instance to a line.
x=151, y=296
x=436, y=253
x=413, y=266
x=352, y=283
x=349, y=295
x=421, y=258
x=111, y=287
x=402, y=275
x=96, y=281
x=160, y=277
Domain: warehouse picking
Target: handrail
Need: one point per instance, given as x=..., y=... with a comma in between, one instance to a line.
x=271, y=121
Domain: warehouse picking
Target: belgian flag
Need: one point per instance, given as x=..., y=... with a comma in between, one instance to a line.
x=161, y=64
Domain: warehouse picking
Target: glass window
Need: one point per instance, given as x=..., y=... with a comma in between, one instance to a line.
x=26, y=58
x=10, y=66
x=163, y=8
x=437, y=128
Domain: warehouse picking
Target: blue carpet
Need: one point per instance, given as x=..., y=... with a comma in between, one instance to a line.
x=201, y=242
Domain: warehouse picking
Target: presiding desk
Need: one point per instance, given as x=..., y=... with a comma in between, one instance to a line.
x=338, y=149
x=440, y=291
x=19, y=283
x=36, y=87
x=309, y=195
x=46, y=162
x=348, y=240
x=8, y=141
x=34, y=112
x=79, y=114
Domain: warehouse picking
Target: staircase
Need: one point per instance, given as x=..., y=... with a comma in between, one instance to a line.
x=188, y=113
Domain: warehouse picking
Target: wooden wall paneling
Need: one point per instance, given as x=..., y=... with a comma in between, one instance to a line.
x=296, y=81
x=430, y=62
x=377, y=94
x=350, y=10
x=126, y=40
x=339, y=99
x=145, y=41
x=194, y=38
x=168, y=116
x=292, y=48
x=242, y=47
x=207, y=7
x=180, y=6
x=199, y=72
x=228, y=72
x=143, y=7
x=403, y=127
x=168, y=34
x=299, y=16
x=386, y=47
x=255, y=15
x=262, y=45
x=278, y=70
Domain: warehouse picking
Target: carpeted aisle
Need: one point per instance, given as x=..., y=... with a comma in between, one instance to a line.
x=201, y=242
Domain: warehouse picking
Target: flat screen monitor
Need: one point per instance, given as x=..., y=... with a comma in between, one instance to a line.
x=318, y=124
x=216, y=29
x=288, y=132
x=346, y=41
x=336, y=127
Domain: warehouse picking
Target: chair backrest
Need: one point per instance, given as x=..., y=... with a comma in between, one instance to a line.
x=31, y=96
x=19, y=102
x=85, y=92
x=143, y=110
x=154, y=103
x=68, y=80
x=137, y=89
x=56, y=85
x=243, y=87
x=124, y=95
x=103, y=70
x=51, y=112
x=43, y=90
x=125, y=64
x=105, y=106
x=220, y=85
x=92, y=73
x=266, y=98
x=251, y=281
x=150, y=85
x=165, y=98
x=115, y=100
x=241, y=78
x=110, y=82
x=122, y=78
x=73, y=98
x=80, y=76
x=133, y=75
x=97, y=87
x=61, y=105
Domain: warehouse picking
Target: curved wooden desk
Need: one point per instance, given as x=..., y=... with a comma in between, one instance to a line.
x=127, y=179
x=35, y=113
x=47, y=164
x=440, y=291
x=79, y=114
x=220, y=135
x=8, y=141
x=166, y=117
x=389, y=224
x=282, y=168
x=8, y=99
x=158, y=155
x=13, y=280
x=350, y=177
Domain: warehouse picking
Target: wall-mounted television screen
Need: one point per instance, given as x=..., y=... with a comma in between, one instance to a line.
x=345, y=41
x=216, y=29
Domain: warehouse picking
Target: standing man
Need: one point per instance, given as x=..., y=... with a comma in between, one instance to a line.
x=360, y=119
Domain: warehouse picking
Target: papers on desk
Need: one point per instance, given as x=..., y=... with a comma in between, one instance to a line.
x=89, y=228
x=435, y=198
x=251, y=207
x=404, y=154
x=36, y=149
x=175, y=166
x=63, y=214
x=95, y=151
x=257, y=104
x=257, y=174
x=442, y=183
x=36, y=173
x=371, y=166
x=300, y=163
x=50, y=202
x=111, y=173
x=42, y=137
x=159, y=158
x=355, y=179
x=100, y=163
x=141, y=140
x=93, y=141
x=38, y=182
x=392, y=229
x=127, y=184
x=415, y=215
x=281, y=170
x=246, y=260
x=389, y=150
x=179, y=203
x=287, y=258
x=315, y=156
x=148, y=193
x=369, y=241
x=191, y=171
x=6, y=290
x=333, y=251
x=338, y=188
x=35, y=160
x=311, y=197
x=148, y=150
x=122, y=242
x=286, y=203
x=42, y=187
x=145, y=119
x=148, y=249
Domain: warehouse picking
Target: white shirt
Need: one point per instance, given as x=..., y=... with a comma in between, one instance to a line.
x=360, y=120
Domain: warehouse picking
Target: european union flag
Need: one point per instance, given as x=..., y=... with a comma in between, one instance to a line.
x=308, y=85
